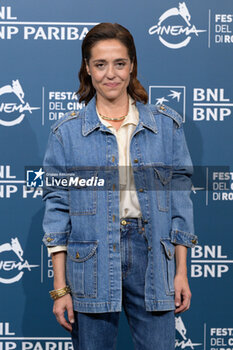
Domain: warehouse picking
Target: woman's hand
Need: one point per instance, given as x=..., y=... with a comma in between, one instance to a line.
x=181, y=285
x=182, y=293
x=59, y=307
x=64, y=303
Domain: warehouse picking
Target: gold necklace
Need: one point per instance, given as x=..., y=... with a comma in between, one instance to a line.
x=112, y=119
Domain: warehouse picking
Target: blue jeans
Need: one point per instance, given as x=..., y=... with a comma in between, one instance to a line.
x=150, y=330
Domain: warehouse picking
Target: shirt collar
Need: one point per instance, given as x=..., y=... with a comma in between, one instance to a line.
x=91, y=121
x=131, y=118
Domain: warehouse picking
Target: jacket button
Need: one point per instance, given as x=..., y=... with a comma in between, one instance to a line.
x=145, y=221
x=49, y=239
x=163, y=108
x=77, y=255
x=73, y=114
x=135, y=160
x=141, y=190
x=123, y=222
x=149, y=248
x=194, y=241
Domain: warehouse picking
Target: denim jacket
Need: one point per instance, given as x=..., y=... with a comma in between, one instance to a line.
x=87, y=221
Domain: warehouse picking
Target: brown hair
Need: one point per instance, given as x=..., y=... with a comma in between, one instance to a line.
x=104, y=31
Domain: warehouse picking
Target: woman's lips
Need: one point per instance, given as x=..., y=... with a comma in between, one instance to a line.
x=112, y=85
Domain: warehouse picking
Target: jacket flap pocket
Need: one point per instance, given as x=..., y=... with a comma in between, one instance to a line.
x=164, y=174
x=82, y=250
x=169, y=248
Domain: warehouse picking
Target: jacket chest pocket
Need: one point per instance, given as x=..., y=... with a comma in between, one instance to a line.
x=163, y=178
x=82, y=201
x=81, y=268
x=168, y=265
x=83, y=198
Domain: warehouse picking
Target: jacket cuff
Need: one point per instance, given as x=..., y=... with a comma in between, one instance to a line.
x=57, y=248
x=184, y=238
x=55, y=238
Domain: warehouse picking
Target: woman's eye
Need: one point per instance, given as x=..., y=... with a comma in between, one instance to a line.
x=99, y=65
x=120, y=64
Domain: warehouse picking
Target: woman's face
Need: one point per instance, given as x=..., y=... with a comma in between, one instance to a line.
x=110, y=68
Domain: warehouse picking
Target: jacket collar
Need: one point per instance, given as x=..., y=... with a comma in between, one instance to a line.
x=90, y=120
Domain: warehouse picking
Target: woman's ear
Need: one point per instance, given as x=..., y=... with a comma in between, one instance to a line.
x=131, y=68
x=87, y=68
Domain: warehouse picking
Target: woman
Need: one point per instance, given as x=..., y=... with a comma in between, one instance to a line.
x=118, y=246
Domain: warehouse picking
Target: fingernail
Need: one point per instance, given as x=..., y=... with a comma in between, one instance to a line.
x=177, y=304
x=72, y=321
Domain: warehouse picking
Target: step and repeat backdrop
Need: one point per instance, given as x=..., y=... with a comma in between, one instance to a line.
x=185, y=52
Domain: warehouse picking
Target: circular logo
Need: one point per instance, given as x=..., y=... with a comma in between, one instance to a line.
x=166, y=31
x=17, y=106
x=12, y=262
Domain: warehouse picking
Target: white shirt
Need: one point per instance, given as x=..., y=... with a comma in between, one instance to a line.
x=129, y=204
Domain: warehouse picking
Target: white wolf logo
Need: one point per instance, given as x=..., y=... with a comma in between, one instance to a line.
x=180, y=327
x=16, y=88
x=15, y=246
x=182, y=11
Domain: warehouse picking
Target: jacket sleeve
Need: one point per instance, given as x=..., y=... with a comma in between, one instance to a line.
x=181, y=204
x=56, y=222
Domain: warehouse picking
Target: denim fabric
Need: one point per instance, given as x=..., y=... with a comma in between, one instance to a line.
x=151, y=330
x=88, y=221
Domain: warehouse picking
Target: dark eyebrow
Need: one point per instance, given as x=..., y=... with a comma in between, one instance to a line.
x=99, y=61
x=121, y=59
x=116, y=60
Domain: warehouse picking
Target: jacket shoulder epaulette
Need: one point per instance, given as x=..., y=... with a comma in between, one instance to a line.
x=68, y=116
x=168, y=111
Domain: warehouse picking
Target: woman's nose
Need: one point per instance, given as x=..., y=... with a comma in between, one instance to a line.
x=110, y=72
